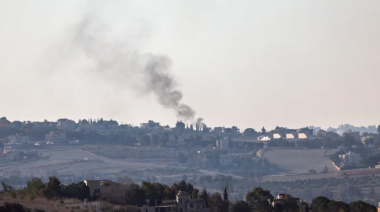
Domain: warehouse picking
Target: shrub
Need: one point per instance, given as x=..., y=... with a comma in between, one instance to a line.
x=13, y=195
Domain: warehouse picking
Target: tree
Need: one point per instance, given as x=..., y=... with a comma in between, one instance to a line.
x=249, y=132
x=204, y=195
x=241, y=206
x=180, y=125
x=320, y=204
x=289, y=204
x=259, y=200
x=135, y=195
x=215, y=203
x=76, y=190
x=52, y=188
x=263, y=131
x=195, y=193
x=336, y=206
x=183, y=186
x=360, y=206
x=6, y=187
x=145, y=140
x=164, y=139
x=34, y=185
x=378, y=129
x=225, y=194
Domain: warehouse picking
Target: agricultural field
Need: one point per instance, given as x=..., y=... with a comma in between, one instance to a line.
x=300, y=161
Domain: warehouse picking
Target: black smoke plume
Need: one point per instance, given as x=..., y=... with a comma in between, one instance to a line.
x=116, y=63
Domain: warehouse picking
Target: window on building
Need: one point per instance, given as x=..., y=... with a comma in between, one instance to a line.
x=191, y=205
x=180, y=210
x=180, y=200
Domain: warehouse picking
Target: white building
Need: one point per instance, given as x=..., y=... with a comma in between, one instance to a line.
x=224, y=143
x=302, y=136
x=350, y=158
x=276, y=136
x=263, y=138
x=289, y=136
x=17, y=139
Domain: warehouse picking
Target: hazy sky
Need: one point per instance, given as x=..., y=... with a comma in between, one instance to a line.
x=245, y=63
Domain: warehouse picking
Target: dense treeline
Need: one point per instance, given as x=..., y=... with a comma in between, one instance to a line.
x=53, y=189
x=258, y=199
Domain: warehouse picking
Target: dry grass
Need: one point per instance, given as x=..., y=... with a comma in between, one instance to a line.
x=300, y=161
x=39, y=203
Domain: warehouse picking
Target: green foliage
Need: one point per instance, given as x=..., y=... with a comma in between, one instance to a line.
x=215, y=202
x=360, y=206
x=241, y=206
x=371, y=161
x=52, y=189
x=76, y=190
x=195, y=193
x=204, y=195
x=337, y=206
x=321, y=204
x=33, y=186
x=259, y=199
x=6, y=187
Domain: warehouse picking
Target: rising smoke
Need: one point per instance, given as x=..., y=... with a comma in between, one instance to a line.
x=116, y=63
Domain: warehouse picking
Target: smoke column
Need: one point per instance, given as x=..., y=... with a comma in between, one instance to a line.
x=116, y=63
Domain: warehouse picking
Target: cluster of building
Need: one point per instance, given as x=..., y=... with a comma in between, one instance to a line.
x=116, y=191
x=182, y=203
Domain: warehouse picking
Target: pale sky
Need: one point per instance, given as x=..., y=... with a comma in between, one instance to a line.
x=243, y=63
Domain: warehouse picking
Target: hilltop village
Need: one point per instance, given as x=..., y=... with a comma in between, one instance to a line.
x=282, y=160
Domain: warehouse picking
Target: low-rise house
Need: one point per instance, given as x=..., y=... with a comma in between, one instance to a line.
x=276, y=136
x=55, y=137
x=17, y=139
x=282, y=198
x=223, y=143
x=263, y=138
x=302, y=136
x=350, y=158
x=218, y=129
x=289, y=136
x=116, y=191
x=182, y=203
